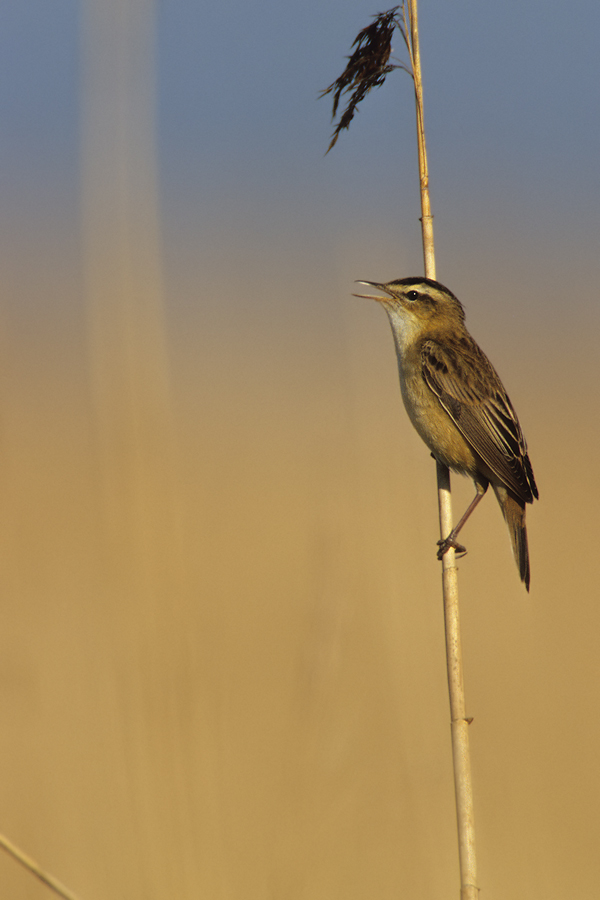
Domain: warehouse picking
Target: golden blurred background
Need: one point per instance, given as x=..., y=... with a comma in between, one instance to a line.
x=222, y=666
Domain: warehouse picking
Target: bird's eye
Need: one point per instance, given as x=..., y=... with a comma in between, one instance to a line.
x=412, y=295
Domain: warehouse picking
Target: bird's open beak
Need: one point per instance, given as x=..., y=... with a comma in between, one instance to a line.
x=374, y=284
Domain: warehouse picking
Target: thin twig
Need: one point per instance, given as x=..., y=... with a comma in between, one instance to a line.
x=36, y=870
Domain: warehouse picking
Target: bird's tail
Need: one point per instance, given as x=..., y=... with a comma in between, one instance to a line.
x=513, y=511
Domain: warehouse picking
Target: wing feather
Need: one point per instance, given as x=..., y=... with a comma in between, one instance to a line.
x=469, y=389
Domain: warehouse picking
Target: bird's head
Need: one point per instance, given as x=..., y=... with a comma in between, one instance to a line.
x=418, y=307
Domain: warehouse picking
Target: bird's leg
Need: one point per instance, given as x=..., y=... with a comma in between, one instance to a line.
x=451, y=541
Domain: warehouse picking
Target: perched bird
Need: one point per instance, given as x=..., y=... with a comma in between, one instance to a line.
x=457, y=403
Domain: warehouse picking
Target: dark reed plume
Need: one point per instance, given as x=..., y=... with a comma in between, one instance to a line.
x=368, y=66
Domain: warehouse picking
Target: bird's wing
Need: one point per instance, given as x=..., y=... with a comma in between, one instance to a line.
x=469, y=389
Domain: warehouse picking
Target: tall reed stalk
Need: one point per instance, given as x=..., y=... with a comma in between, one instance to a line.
x=368, y=68
x=35, y=869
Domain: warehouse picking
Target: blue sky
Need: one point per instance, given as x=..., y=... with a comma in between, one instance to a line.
x=512, y=116
x=512, y=96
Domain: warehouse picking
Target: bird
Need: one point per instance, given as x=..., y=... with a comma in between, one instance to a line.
x=457, y=403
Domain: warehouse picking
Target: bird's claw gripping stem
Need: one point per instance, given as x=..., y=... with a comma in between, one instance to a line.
x=447, y=543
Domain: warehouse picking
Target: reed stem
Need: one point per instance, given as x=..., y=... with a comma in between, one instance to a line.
x=459, y=724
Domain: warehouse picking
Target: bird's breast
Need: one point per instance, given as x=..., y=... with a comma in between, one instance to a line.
x=432, y=422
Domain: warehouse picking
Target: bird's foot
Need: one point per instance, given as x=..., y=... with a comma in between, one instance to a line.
x=447, y=543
